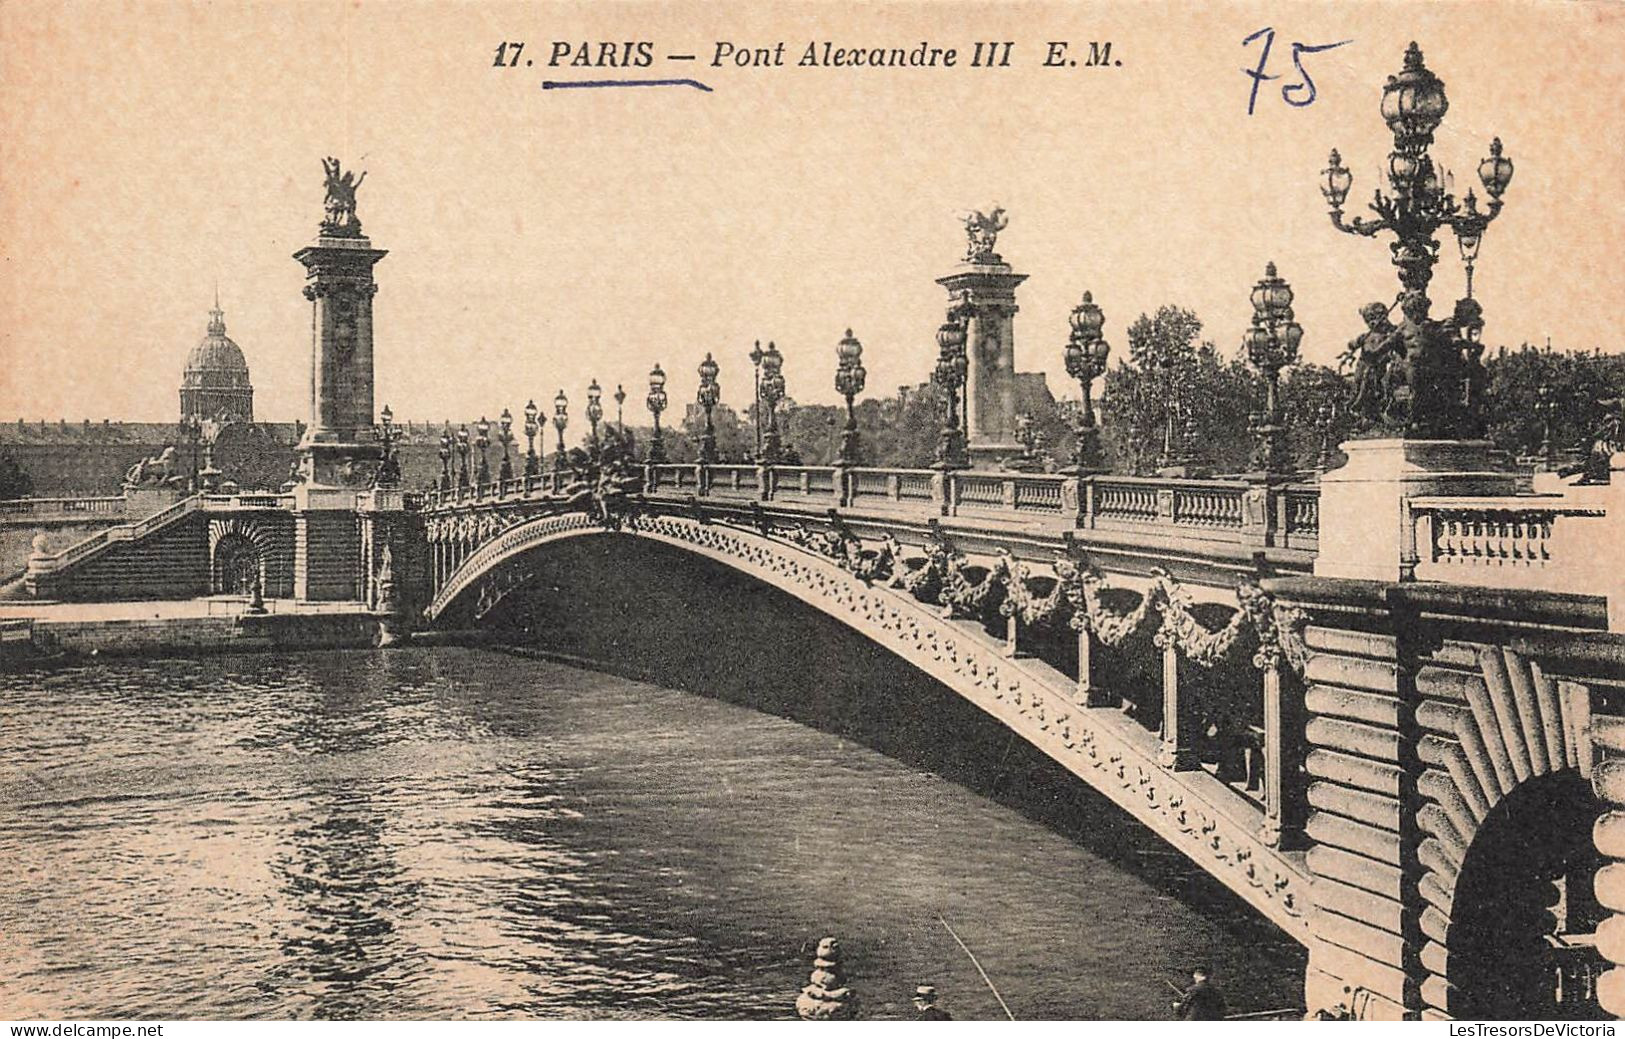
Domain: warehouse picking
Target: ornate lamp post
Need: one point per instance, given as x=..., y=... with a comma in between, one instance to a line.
x=1418, y=204
x=505, y=438
x=1327, y=416
x=756, y=356
x=656, y=402
x=561, y=419
x=707, y=397
x=1086, y=353
x=595, y=413
x=532, y=466
x=771, y=393
x=850, y=376
x=462, y=452
x=445, y=458
x=389, y=468
x=193, y=427
x=949, y=375
x=620, y=400
x=1272, y=344
x=482, y=440
x=1546, y=409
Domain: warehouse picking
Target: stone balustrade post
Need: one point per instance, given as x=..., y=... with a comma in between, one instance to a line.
x=1284, y=792
x=1178, y=748
x=1090, y=692
x=1257, y=515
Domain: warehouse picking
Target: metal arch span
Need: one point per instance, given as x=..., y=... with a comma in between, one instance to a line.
x=1194, y=812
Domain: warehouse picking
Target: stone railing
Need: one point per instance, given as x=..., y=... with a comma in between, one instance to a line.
x=1232, y=513
x=52, y=508
x=1539, y=542
x=244, y=502
x=123, y=532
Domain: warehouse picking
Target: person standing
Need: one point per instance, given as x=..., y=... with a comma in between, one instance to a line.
x=1202, y=1001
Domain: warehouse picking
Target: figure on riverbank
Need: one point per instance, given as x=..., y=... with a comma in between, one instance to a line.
x=1202, y=1001
x=925, y=1005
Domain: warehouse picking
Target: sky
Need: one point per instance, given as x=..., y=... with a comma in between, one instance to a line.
x=541, y=238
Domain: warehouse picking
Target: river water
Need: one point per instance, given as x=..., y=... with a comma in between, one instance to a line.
x=445, y=832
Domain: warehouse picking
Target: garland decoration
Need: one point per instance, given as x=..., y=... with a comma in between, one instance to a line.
x=1020, y=601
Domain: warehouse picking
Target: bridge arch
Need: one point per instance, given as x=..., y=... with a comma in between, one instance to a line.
x=1506, y=852
x=1109, y=751
x=240, y=546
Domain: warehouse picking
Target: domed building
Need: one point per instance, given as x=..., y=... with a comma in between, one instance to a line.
x=215, y=383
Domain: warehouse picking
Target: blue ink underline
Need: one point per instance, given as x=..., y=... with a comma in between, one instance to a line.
x=553, y=84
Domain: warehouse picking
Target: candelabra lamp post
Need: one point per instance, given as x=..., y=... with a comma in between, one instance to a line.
x=656, y=402
x=850, y=376
x=772, y=393
x=462, y=454
x=482, y=440
x=561, y=419
x=445, y=458
x=1546, y=409
x=707, y=396
x=1327, y=416
x=949, y=375
x=595, y=415
x=532, y=427
x=1175, y=380
x=1086, y=353
x=389, y=467
x=620, y=401
x=1428, y=404
x=756, y=356
x=1272, y=344
x=505, y=438
x=193, y=428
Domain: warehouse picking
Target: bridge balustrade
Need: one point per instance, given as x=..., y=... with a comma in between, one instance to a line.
x=34, y=507
x=1535, y=542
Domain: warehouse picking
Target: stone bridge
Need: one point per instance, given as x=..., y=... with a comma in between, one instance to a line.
x=1404, y=776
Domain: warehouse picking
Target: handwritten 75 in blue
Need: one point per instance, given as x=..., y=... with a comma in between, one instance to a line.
x=1298, y=94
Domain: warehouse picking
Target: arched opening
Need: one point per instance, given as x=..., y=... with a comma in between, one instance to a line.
x=1524, y=912
x=236, y=565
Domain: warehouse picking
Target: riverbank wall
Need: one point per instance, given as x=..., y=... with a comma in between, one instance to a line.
x=52, y=638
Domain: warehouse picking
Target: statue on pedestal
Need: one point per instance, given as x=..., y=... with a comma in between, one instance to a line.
x=981, y=233
x=341, y=220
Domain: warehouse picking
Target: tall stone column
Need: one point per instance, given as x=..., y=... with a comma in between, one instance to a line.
x=340, y=447
x=988, y=284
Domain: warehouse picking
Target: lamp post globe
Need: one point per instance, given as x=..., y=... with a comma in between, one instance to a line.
x=1272, y=344
x=445, y=458
x=531, y=429
x=462, y=453
x=595, y=413
x=505, y=436
x=482, y=440
x=772, y=393
x=561, y=419
x=949, y=376
x=850, y=377
x=1429, y=404
x=1085, y=356
x=656, y=403
x=707, y=396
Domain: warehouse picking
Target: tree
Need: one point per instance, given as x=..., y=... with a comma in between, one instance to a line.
x=14, y=480
x=1166, y=365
